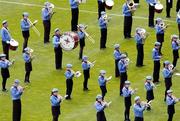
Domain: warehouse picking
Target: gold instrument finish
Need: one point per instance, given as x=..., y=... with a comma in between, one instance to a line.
x=131, y=6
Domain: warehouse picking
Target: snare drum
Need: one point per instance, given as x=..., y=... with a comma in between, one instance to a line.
x=69, y=41
x=109, y=4
x=13, y=44
x=158, y=8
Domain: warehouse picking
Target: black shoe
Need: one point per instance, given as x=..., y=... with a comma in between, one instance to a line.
x=85, y=89
x=4, y=90
x=151, y=26
x=68, y=98
x=168, y=16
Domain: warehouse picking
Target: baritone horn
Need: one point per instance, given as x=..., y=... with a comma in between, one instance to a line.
x=32, y=24
x=132, y=7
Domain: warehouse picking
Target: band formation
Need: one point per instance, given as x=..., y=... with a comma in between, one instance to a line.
x=69, y=41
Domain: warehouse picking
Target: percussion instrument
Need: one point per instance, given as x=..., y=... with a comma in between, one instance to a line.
x=13, y=44
x=158, y=8
x=109, y=4
x=69, y=41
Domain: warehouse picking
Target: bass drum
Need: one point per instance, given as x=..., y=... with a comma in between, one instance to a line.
x=69, y=41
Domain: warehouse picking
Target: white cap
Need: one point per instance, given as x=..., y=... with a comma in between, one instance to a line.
x=169, y=91
x=102, y=72
x=136, y=98
x=55, y=90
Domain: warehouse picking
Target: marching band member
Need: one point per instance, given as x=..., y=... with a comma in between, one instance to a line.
x=101, y=7
x=4, y=65
x=140, y=48
x=100, y=106
x=25, y=26
x=160, y=29
x=156, y=58
x=75, y=14
x=138, y=109
x=171, y=101
x=169, y=5
x=55, y=104
x=178, y=6
x=175, y=48
x=6, y=37
x=103, y=26
x=167, y=74
x=46, y=16
x=102, y=83
x=57, y=48
x=86, y=71
x=152, y=4
x=127, y=92
x=178, y=21
x=16, y=92
x=69, y=80
x=27, y=56
x=149, y=85
x=127, y=12
x=117, y=55
x=81, y=35
x=122, y=66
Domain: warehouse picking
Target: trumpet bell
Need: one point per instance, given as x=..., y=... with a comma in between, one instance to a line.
x=77, y=74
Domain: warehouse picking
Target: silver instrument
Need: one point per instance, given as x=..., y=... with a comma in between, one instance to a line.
x=76, y=74
x=33, y=26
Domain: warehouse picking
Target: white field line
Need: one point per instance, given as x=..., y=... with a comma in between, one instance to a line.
x=68, y=9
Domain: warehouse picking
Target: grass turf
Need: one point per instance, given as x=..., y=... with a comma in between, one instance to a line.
x=35, y=100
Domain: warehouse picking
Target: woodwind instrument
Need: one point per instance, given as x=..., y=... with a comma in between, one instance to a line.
x=82, y=28
x=76, y=74
x=33, y=26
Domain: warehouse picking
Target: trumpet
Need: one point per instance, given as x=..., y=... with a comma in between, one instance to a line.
x=132, y=7
x=108, y=78
x=175, y=98
x=106, y=104
x=133, y=91
x=33, y=26
x=76, y=74
x=86, y=34
x=143, y=103
x=91, y=63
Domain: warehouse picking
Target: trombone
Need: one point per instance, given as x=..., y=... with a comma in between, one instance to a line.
x=33, y=26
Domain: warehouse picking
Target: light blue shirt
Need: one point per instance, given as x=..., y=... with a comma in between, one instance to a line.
x=56, y=41
x=45, y=14
x=81, y=34
x=121, y=66
x=125, y=10
x=102, y=23
x=117, y=54
x=25, y=25
x=170, y=100
x=138, y=39
x=99, y=107
x=74, y=4
x=178, y=20
x=5, y=35
x=69, y=74
x=85, y=65
x=148, y=86
x=102, y=81
x=4, y=64
x=55, y=101
x=126, y=92
x=175, y=46
x=159, y=30
x=151, y=1
x=138, y=110
x=15, y=93
x=167, y=73
x=26, y=57
x=155, y=54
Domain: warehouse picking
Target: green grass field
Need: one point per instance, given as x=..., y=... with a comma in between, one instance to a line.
x=35, y=100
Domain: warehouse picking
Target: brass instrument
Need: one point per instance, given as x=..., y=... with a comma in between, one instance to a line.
x=20, y=88
x=171, y=67
x=127, y=60
x=143, y=34
x=108, y=78
x=175, y=98
x=106, y=104
x=143, y=103
x=131, y=6
x=86, y=34
x=163, y=25
x=106, y=18
x=33, y=26
x=81, y=1
x=91, y=63
x=133, y=91
x=178, y=14
x=76, y=74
